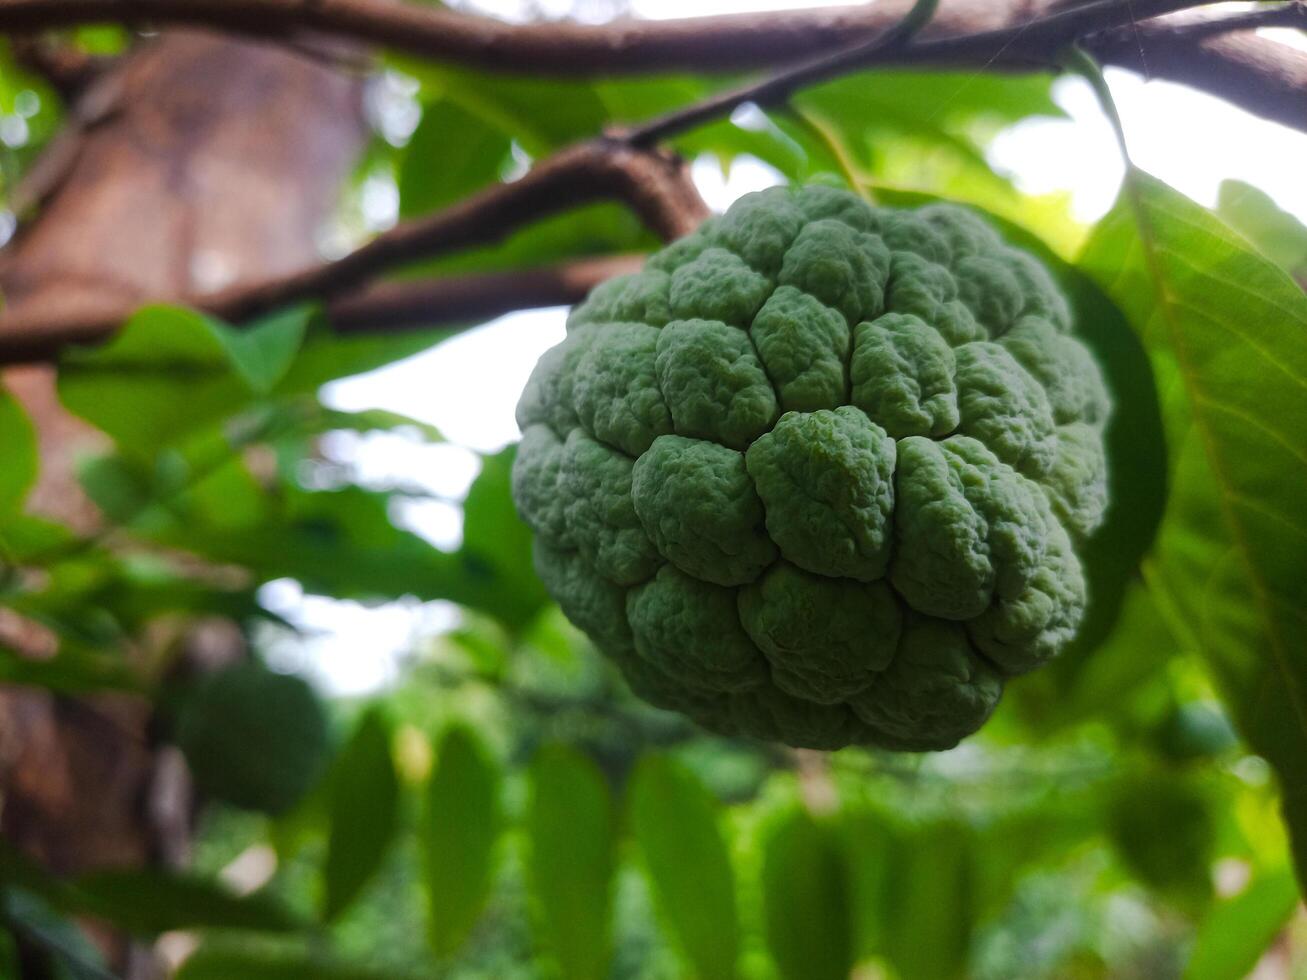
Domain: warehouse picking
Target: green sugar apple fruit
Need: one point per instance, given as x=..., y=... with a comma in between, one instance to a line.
x=817, y=473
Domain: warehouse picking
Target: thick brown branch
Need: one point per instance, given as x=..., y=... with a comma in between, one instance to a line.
x=1261, y=75
x=384, y=307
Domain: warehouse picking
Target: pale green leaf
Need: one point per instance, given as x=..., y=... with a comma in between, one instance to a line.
x=685, y=856
x=571, y=829
x=1238, y=929
x=459, y=829
x=362, y=812
x=806, y=899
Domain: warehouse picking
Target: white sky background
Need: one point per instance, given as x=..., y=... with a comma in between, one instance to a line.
x=468, y=386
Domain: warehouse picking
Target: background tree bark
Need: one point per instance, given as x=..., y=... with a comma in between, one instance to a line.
x=200, y=162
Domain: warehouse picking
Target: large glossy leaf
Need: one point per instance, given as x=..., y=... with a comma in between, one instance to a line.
x=18, y=446
x=806, y=900
x=171, y=371
x=1238, y=929
x=571, y=828
x=362, y=810
x=451, y=154
x=685, y=856
x=1227, y=333
x=459, y=830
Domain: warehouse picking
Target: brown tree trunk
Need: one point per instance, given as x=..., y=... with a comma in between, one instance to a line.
x=198, y=162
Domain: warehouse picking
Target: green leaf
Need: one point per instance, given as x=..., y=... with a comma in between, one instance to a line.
x=327, y=355
x=18, y=437
x=495, y=540
x=460, y=827
x=1163, y=828
x=68, y=672
x=171, y=371
x=262, y=352
x=595, y=229
x=570, y=826
x=229, y=961
x=685, y=856
x=42, y=926
x=363, y=810
x=930, y=901
x=1278, y=235
x=252, y=737
x=806, y=900
x=451, y=154
x=153, y=901
x=1239, y=929
x=1227, y=334
x=541, y=114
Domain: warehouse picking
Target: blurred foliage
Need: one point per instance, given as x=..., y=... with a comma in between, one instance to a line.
x=506, y=808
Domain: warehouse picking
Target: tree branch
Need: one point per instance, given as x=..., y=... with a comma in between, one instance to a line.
x=618, y=166
x=1261, y=75
x=656, y=185
x=381, y=308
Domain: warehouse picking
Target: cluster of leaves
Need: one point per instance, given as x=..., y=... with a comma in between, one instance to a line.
x=548, y=817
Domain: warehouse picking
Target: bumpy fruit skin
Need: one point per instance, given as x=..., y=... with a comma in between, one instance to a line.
x=818, y=472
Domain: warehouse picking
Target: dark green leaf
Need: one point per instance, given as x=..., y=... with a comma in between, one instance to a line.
x=570, y=825
x=541, y=114
x=363, y=807
x=929, y=901
x=451, y=154
x=1239, y=929
x=1163, y=828
x=806, y=900
x=69, y=672
x=1227, y=334
x=252, y=737
x=460, y=828
x=20, y=459
x=675, y=823
x=154, y=901
x=228, y=961
x=496, y=539
x=65, y=943
x=596, y=229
